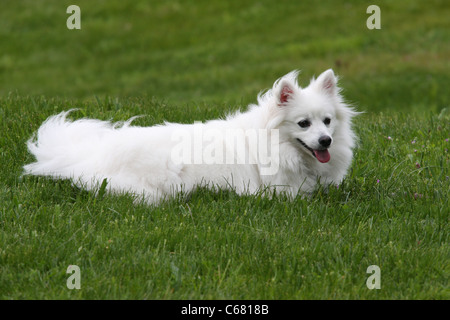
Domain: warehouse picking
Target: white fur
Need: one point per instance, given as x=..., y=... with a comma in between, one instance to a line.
x=138, y=159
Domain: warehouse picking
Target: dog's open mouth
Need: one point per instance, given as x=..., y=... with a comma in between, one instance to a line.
x=322, y=155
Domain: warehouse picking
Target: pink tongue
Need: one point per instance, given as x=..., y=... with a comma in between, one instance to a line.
x=322, y=155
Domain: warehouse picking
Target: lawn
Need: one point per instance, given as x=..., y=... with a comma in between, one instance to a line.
x=186, y=61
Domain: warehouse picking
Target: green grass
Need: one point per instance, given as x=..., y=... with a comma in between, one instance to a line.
x=225, y=51
x=391, y=211
x=187, y=61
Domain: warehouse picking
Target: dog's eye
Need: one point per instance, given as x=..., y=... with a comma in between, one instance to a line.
x=304, y=123
x=327, y=121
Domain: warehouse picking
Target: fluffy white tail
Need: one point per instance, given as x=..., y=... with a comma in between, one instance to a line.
x=68, y=149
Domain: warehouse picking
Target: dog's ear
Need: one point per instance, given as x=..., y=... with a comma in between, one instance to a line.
x=285, y=94
x=327, y=82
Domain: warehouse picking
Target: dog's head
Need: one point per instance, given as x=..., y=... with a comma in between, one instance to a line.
x=311, y=118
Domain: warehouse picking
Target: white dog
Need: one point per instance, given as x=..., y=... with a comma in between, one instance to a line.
x=294, y=138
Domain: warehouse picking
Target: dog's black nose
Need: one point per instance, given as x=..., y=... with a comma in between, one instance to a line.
x=325, y=141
